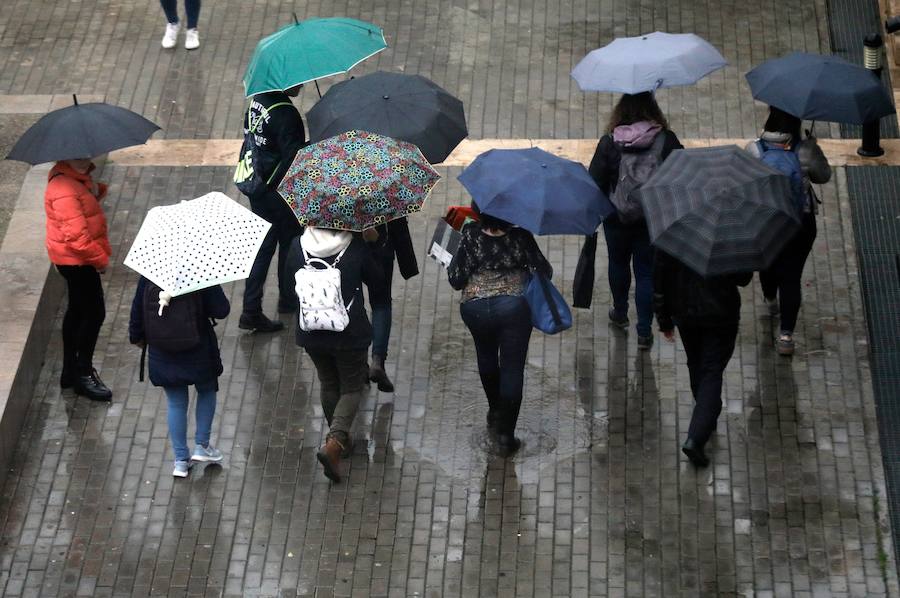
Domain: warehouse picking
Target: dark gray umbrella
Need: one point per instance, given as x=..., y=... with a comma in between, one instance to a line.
x=406, y=107
x=816, y=87
x=719, y=210
x=81, y=131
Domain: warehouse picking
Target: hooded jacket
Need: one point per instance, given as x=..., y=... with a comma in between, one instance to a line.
x=278, y=132
x=76, y=225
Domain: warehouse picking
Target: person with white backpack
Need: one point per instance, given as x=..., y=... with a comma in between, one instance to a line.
x=329, y=268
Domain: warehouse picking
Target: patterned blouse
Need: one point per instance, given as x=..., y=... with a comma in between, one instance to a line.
x=488, y=266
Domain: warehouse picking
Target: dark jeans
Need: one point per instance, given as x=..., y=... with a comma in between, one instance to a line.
x=191, y=7
x=271, y=207
x=784, y=275
x=382, y=314
x=708, y=352
x=501, y=327
x=84, y=316
x=343, y=377
x=629, y=247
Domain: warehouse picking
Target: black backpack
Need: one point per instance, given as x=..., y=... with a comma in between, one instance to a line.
x=247, y=177
x=181, y=325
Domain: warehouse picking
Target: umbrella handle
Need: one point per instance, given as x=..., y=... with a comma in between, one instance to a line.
x=164, y=299
x=317, y=89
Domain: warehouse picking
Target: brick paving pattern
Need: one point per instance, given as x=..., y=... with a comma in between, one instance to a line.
x=599, y=502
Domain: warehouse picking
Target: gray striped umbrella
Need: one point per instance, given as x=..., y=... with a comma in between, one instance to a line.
x=719, y=210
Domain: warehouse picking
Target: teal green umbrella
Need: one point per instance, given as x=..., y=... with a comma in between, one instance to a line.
x=309, y=50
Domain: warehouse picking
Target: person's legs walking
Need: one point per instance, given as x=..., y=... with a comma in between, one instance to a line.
x=176, y=415
x=287, y=229
x=85, y=313
x=642, y=262
x=252, y=317
x=71, y=324
x=205, y=411
x=93, y=313
x=618, y=246
x=352, y=373
x=381, y=322
x=514, y=328
x=192, y=11
x=170, y=8
x=329, y=382
x=479, y=319
x=792, y=261
x=715, y=353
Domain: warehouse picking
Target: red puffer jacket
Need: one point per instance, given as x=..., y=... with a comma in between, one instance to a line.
x=76, y=225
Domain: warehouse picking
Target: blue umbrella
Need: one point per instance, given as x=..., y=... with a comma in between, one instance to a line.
x=537, y=191
x=816, y=87
x=647, y=62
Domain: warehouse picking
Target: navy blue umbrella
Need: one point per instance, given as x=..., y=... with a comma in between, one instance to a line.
x=816, y=87
x=537, y=191
x=81, y=131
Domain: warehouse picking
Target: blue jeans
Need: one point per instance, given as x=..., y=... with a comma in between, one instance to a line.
x=191, y=7
x=626, y=244
x=501, y=328
x=382, y=314
x=177, y=415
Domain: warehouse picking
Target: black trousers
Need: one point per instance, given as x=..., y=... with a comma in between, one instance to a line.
x=271, y=207
x=85, y=313
x=709, y=350
x=783, y=276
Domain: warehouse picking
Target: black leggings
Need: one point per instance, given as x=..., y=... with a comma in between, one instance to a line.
x=783, y=276
x=84, y=316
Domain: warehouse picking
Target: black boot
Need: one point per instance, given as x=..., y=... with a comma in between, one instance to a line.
x=92, y=387
x=378, y=375
x=259, y=323
x=695, y=453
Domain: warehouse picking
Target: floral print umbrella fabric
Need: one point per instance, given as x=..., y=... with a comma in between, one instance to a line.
x=357, y=180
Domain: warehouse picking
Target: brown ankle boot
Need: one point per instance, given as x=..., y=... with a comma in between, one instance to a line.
x=378, y=375
x=330, y=457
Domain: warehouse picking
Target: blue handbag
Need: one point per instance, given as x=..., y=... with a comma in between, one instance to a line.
x=549, y=311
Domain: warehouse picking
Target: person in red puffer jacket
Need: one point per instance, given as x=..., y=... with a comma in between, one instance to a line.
x=78, y=246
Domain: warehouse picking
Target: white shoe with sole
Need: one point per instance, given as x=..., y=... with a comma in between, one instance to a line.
x=191, y=39
x=171, y=37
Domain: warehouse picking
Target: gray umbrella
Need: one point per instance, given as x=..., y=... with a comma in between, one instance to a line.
x=647, y=62
x=719, y=210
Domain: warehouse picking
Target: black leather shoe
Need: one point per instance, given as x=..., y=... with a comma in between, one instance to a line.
x=379, y=376
x=259, y=323
x=695, y=453
x=508, y=443
x=92, y=387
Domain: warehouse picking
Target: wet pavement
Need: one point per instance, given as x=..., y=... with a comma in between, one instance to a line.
x=599, y=501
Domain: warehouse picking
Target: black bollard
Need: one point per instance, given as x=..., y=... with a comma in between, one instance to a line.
x=871, y=131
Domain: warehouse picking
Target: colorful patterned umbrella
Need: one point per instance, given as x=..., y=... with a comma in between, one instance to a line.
x=357, y=180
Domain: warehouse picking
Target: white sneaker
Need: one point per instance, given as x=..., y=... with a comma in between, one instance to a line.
x=181, y=469
x=191, y=39
x=171, y=37
x=207, y=454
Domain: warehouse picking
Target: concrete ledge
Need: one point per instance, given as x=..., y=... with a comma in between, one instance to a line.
x=30, y=293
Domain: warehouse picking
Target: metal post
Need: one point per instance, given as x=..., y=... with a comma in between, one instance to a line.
x=871, y=131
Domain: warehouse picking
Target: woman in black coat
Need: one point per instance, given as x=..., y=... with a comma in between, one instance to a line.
x=340, y=357
x=176, y=371
x=636, y=125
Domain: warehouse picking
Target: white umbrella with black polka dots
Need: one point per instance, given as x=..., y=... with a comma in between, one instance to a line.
x=197, y=244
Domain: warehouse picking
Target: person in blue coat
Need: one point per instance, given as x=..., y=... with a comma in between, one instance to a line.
x=176, y=371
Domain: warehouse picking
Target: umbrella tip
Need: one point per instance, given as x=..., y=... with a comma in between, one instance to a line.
x=75, y=99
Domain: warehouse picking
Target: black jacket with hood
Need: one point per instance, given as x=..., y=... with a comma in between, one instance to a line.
x=278, y=132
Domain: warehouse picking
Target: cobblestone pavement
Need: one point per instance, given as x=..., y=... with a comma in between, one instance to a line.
x=598, y=502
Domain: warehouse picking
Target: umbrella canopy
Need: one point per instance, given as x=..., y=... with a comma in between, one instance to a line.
x=719, y=210
x=81, y=131
x=647, y=62
x=357, y=180
x=536, y=190
x=816, y=87
x=309, y=50
x=197, y=244
x=406, y=107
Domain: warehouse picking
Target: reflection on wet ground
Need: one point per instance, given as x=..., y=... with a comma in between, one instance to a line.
x=599, y=501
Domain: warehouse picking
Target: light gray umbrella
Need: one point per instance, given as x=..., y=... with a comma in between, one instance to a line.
x=647, y=62
x=719, y=210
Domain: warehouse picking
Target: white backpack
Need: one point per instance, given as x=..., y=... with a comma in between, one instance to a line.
x=319, y=292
